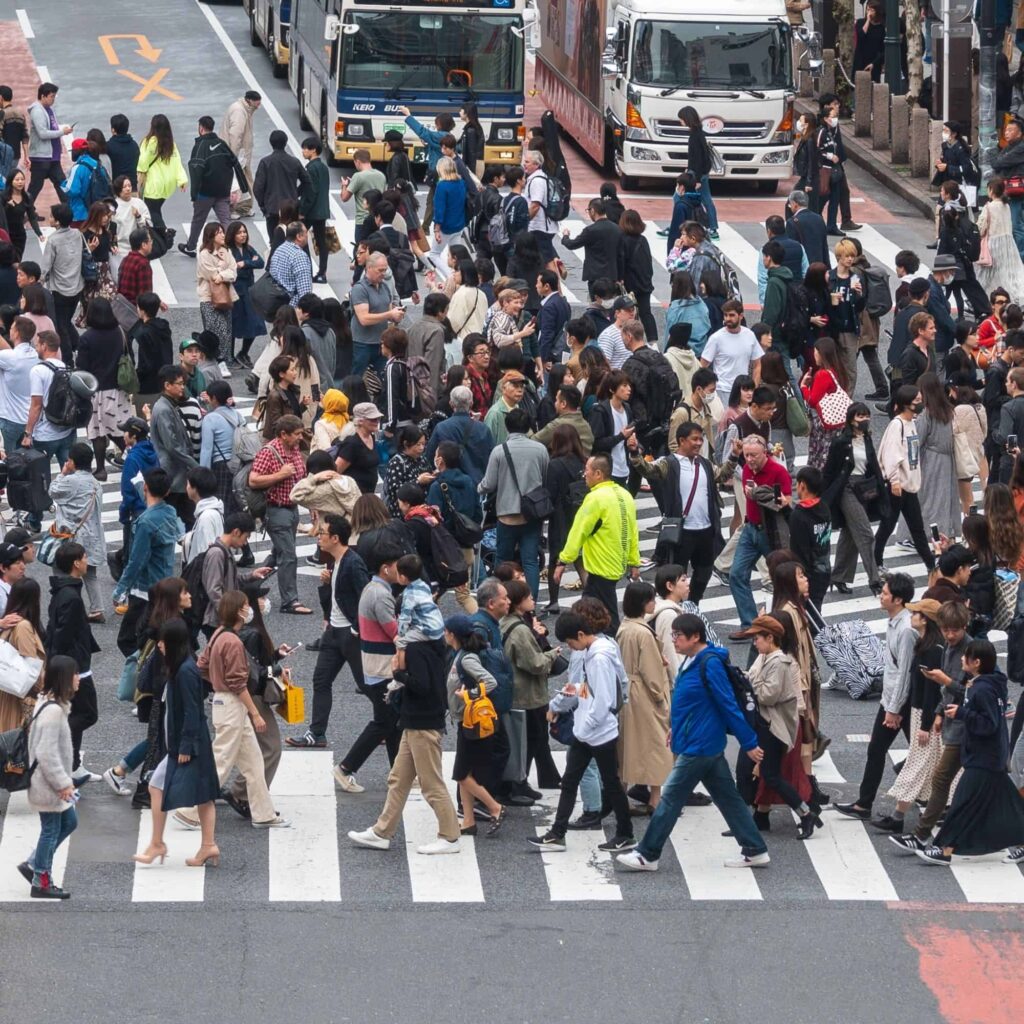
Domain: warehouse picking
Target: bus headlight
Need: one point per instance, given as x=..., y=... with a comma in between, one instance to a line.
x=356, y=131
x=506, y=134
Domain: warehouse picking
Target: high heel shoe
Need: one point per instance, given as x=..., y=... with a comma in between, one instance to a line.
x=808, y=823
x=160, y=850
x=842, y=588
x=211, y=856
x=818, y=796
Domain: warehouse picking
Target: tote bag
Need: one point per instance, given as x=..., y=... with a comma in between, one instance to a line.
x=18, y=673
x=832, y=408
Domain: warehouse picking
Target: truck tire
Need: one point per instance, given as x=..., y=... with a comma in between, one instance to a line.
x=768, y=188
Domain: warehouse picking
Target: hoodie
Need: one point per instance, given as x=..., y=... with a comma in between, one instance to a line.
x=983, y=713
x=209, y=525
x=461, y=494
x=155, y=346
x=695, y=313
x=324, y=346
x=67, y=628
x=595, y=719
x=703, y=712
x=151, y=558
x=774, y=309
x=810, y=536
x=140, y=458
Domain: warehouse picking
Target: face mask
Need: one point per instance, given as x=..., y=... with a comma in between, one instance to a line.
x=945, y=136
x=833, y=121
x=247, y=614
x=265, y=606
x=917, y=407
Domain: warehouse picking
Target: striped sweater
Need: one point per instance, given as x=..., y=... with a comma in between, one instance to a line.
x=378, y=628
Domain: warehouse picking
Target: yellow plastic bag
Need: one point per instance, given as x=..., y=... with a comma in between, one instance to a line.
x=293, y=708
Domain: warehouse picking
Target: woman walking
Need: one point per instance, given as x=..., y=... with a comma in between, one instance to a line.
x=333, y=419
x=1003, y=267
x=99, y=237
x=129, y=214
x=687, y=307
x=858, y=495
x=449, y=213
x=357, y=455
x=187, y=775
x=284, y=398
x=215, y=272
x=25, y=635
x=825, y=389
x=51, y=792
x=970, y=429
x=473, y=138
x=246, y=323
x=17, y=209
x=699, y=161
x=805, y=160
x=639, y=279
x=217, y=440
x=160, y=172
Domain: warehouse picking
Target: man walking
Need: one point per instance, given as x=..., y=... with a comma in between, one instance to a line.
x=603, y=248
x=371, y=314
x=290, y=265
x=315, y=202
x=237, y=133
x=279, y=177
x=171, y=441
x=17, y=359
x=62, y=273
x=732, y=351
x=44, y=146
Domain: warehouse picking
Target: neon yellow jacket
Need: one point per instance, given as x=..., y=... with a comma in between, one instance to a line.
x=606, y=531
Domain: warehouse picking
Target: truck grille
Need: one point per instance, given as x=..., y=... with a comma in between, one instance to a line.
x=734, y=131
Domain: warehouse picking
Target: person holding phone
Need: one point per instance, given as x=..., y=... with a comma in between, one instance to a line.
x=848, y=300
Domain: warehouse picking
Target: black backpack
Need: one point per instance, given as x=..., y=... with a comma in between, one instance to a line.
x=969, y=249
x=63, y=407
x=556, y=204
x=742, y=691
x=663, y=394
x=28, y=480
x=877, y=290
x=402, y=264
x=192, y=574
x=796, y=318
x=445, y=553
x=15, y=770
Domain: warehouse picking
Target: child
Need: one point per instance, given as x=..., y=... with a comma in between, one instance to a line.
x=468, y=678
x=420, y=619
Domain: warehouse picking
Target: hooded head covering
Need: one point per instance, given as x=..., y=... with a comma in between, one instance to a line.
x=335, y=407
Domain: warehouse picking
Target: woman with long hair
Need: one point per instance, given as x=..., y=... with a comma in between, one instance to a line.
x=1003, y=506
x=699, y=161
x=372, y=527
x=1004, y=268
x=336, y=316
x=852, y=472
x=686, y=307
x=639, y=279
x=473, y=138
x=187, y=775
x=819, y=306
x=594, y=367
x=26, y=636
x=160, y=172
x=284, y=398
x=246, y=323
x=468, y=306
x=526, y=263
x=216, y=272
x=970, y=429
x=805, y=159
x=828, y=377
x=18, y=208
x=98, y=233
x=939, y=497
x=565, y=468
x=284, y=317
x=979, y=590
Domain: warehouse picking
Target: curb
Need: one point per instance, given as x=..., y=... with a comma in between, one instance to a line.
x=879, y=168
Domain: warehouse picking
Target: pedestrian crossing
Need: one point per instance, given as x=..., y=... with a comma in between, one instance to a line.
x=314, y=862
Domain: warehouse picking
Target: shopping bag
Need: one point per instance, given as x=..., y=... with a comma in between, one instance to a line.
x=293, y=708
x=18, y=673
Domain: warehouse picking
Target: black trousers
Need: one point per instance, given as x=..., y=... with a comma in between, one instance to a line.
x=538, y=750
x=338, y=647
x=131, y=623
x=43, y=171
x=604, y=590
x=382, y=728
x=64, y=307
x=645, y=316
x=818, y=588
x=771, y=766
x=83, y=715
x=577, y=759
x=156, y=214
x=881, y=740
x=186, y=509
x=910, y=507
x=319, y=229
x=697, y=550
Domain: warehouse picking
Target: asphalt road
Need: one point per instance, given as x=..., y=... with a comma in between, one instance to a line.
x=836, y=930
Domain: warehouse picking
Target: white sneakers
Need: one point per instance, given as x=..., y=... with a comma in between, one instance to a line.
x=346, y=781
x=276, y=822
x=635, y=861
x=118, y=783
x=370, y=839
x=759, y=860
x=81, y=775
x=439, y=846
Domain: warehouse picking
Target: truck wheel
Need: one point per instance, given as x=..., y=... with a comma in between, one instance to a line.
x=769, y=188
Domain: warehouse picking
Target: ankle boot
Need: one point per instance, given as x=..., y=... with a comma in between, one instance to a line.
x=99, y=447
x=763, y=821
x=818, y=796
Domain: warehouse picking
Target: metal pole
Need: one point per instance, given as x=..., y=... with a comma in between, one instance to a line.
x=945, y=59
x=987, y=132
x=893, y=55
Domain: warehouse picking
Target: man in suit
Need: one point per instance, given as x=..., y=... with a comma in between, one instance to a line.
x=807, y=227
x=601, y=241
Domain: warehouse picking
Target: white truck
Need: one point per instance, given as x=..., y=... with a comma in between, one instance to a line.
x=616, y=72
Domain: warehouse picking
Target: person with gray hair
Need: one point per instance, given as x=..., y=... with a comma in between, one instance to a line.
x=372, y=312
x=805, y=226
x=468, y=433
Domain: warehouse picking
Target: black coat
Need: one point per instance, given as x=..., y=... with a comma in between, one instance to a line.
x=805, y=166
x=67, y=627
x=602, y=423
x=353, y=576
x=639, y=266
x=603, y=250
x=807, y=228
x=839, y=466
x=196, y=782
x=279, y=176
x=672, y=498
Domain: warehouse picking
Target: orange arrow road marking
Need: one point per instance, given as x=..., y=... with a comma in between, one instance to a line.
x=145, y=50
x=150, y=85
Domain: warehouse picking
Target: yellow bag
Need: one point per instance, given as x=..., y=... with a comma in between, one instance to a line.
x=293, y=708
x=478, y=717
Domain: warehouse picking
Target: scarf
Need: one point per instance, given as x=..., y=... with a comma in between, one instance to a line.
x=335, y=408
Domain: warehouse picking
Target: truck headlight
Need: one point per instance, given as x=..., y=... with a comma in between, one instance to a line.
x=780, y=156
x=642, y=153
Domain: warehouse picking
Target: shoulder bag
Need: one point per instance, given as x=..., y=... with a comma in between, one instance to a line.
x=220, y=296
x=832, y=407
x=670, y=533
x=48, y=546
x=535, y=505
x=466, y=532
x=18, y=672
x=796, y=415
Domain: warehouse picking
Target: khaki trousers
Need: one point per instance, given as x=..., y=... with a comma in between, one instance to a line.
x=467, y=602
x=419, y=756
x=270, y=748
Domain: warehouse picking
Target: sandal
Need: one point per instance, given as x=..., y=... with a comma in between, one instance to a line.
x=296, y=609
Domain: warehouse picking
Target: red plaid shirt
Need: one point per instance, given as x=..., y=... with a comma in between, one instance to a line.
x=483, y=392
x=135, y=276
x=267, y=463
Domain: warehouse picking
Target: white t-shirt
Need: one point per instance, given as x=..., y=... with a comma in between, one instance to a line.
x=730, y=355
x=40, y=380
x=338, y=619
x=536, y=191
x=620, y=467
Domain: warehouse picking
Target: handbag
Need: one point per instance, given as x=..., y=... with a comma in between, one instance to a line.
x=671, y=531
x=273, y=692
x=535, y=505
x=220, y=296
x=965, y=458
x=129, y=677
x=832, y=407
x=267, y=296
x=797, y=421
x=293, y=708
x=127, y=375
x=866, y=491
x=18, y=672
x=1013, y=187
x=467, y=534
x=90, y=268
x=1007, y=585
x=824, y=180
x=985, y=255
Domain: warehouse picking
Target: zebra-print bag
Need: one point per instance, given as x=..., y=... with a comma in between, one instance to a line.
x=852, y=651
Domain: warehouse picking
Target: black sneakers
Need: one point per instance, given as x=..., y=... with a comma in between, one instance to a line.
x=908, y=843
x=586, y=822
x=887, y=823
x=619, y=844
x=934, y=855
x=549, y=841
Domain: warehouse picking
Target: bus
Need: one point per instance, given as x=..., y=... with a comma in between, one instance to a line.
x=354, y=63
x=269, y=22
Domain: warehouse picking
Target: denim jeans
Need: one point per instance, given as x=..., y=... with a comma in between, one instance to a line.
x=752, y=545
x=1017, y=221
x=12, y=433
x=365, y=356
x=134, y=757
x=708, y=203
x=281, y=525
x=590, y=788
x=526, y=537
x=54, y=828
x=714, y=772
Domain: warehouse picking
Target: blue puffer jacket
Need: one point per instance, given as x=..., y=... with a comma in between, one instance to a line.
x=151, y=559
x=702, y=714
x=140, y=458
x=462, y=494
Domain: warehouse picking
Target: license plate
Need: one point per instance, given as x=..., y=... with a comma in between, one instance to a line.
x=398, y=127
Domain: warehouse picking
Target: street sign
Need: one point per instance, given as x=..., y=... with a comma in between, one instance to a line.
x=959, y=10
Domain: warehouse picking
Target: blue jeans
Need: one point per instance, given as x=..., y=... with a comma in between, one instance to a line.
x=1017, y=220
x=54, y=828
x=134, y=757
x=527, y=538
x=718, y=781
x=12, y=433
x=365, y=356
x=708, y=202
x=590, y=788
x=753, y=543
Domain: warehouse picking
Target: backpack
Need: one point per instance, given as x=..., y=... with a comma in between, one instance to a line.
x=445, y=553
x=192, y=574
x=497, y=226
x=971, y=171
x=15, y=770
x=578, y=490
x=556, y=203
x=402, y=264
x=479, y=717
x=696, y=212
x=98, y=187
x=251, y=499
x=742, y=691
x=28, y=480
x=662, y=395
x=970, y=240
x=496, y=662
x=877, y=290
x=8, y=161
x=796, y=318
x=422, y=396
x=63, y=407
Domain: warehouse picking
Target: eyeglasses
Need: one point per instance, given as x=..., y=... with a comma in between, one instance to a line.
x=481, y=352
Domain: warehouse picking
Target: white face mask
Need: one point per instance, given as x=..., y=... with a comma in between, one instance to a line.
x=265, y=606
x=945, y=136
x=833, y=121
x=247, y=615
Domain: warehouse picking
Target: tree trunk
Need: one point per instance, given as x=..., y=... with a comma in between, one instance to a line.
x=915, y=49
x=844, y=16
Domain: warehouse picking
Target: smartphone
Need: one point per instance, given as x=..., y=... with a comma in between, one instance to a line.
x=935, y=532
x=1011, y=441
x=777, y=491
x=293, y=649
x=314, y=390
x=973, y=511
x=273, y=569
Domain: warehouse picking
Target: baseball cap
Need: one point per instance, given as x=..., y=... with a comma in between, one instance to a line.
x=919, y=286
x=79, y=145
x=9, y=554
x=188, y=343
x=513, y=376
x=18, y=537
x=623, y=302
x=136, y=425
x=765, y=624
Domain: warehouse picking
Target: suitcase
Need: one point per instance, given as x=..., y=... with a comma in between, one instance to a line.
x=28, y=480
x=852, y=651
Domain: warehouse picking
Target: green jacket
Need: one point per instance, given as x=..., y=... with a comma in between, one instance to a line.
x=315, y=203
x=774, y=308
x=530, y=665
x=605, y=530
x=572, y=419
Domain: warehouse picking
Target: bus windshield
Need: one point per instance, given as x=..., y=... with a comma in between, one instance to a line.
x=707, y=55
x=415, y=51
